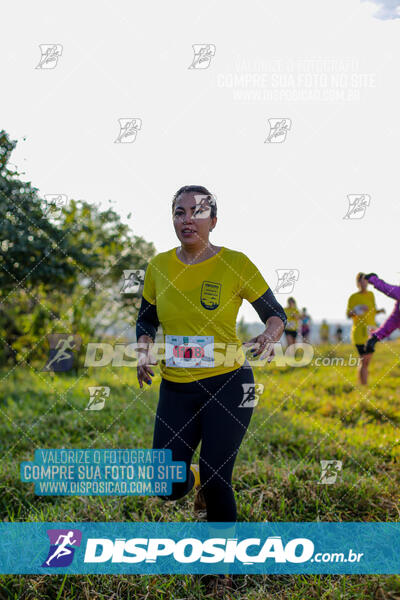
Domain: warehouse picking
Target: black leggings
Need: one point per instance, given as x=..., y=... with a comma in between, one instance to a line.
x=208, y=410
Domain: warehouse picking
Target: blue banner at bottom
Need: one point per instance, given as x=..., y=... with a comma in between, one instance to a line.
x=167, y=548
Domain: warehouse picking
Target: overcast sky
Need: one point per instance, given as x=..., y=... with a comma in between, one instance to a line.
x=330, y=68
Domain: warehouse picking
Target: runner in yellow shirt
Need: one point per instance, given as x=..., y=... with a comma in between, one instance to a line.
x=207, y=390
x=362, y=309
x=293, y=321
x=324, y=332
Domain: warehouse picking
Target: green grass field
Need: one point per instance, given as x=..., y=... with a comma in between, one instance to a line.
x=304, y=415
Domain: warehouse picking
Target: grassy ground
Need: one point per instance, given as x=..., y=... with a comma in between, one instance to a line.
x=304, y=415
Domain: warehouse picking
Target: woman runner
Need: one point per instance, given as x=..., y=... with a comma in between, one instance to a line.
x=324, y=332
x=305, y=325
x=362, y=309
x=293, y=321
x=339, y=334
x=195, y=291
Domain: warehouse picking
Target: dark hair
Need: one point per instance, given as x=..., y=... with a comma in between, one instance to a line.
x=200, y=190
x=359, y=276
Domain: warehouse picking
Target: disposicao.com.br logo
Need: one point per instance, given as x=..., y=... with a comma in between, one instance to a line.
x=248, y=551
x=199, y=547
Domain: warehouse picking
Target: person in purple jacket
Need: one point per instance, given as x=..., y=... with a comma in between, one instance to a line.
x=393, y=321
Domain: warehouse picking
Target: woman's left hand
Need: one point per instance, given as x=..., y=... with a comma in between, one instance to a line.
x=264, y=346
x=264, y=343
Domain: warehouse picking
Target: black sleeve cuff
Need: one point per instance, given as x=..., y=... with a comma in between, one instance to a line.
x=267, y=306
x=147, y=321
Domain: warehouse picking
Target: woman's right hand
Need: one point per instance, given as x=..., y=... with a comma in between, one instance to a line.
x=145, y=359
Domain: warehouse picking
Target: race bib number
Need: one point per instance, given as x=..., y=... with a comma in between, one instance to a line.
x=359, y=309
x=189, y=351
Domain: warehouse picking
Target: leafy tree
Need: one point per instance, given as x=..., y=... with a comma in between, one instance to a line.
x=34, y=250
x=59, y=274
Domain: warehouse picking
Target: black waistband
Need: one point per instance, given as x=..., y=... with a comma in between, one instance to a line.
x=213, y=381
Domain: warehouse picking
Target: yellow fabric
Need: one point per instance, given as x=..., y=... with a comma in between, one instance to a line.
x=186, y=307
x=196, y=472
x=324, y=331
x=293, y=318
x=359, y=331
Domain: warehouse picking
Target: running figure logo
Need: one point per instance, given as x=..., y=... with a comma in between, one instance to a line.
x=204, y=202
x=128, y=129
x=98, y=395
x=203, y=54
x=286, y=280
x=132, y=281
x=250, y=397
x=54, y=204
x=60, y=555
x=61, y=357
x=50, y=53
x=330, y=469
x=278, y=129
x=357, y=205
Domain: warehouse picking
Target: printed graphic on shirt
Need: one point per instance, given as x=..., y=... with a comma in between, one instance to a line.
x=210, y=295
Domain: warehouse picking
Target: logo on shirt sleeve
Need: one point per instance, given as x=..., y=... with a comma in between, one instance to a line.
x=210, y=295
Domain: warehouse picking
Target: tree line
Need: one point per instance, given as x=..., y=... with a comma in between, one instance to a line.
x=61, y=268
